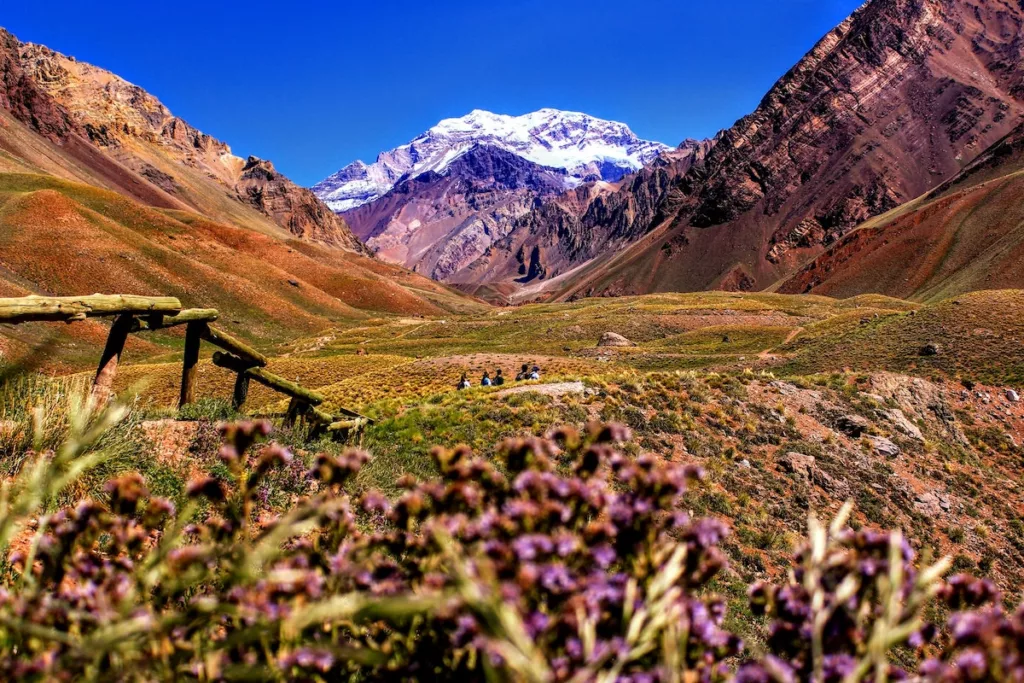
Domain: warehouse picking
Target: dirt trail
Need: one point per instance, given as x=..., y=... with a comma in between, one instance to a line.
x=551, y=389
x=767, y=353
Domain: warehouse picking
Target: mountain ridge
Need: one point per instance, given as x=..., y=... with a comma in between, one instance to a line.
x=899, y=86
x=102, y=189
x=129, y=141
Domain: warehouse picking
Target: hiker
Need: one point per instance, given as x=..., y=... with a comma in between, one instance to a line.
x=524, y=374
x=486, y=381
x=499, y=378
x=463, y=383
x=535, y=373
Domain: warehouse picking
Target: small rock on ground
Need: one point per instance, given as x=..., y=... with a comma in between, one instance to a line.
x=931, y=504
x=884, y=446
x=797, y=463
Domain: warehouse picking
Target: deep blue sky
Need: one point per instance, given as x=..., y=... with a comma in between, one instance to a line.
x=315, y=85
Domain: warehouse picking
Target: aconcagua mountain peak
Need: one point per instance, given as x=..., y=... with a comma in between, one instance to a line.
x=584, y=147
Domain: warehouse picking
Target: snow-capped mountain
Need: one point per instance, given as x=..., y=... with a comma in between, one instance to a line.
x=587, y=148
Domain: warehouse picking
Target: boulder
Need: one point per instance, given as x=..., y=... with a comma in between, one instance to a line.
x=1012, y=396
x=614, y=339
x=931, y=504
x=852, y=425
x=798, y=463
x=883, y=446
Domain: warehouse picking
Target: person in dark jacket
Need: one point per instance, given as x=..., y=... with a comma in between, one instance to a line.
x=499, y=378
x=524, y=374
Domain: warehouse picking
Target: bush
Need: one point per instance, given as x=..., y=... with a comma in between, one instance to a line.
x=573, y=562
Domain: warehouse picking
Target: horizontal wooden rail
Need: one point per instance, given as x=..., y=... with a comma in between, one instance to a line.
x=322, y=416
x=71, y=308
x=347, y=425
x=267, y=378
x=239, y=348
x=161, y=321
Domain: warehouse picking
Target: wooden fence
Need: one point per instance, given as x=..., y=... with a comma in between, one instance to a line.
x=136, y=314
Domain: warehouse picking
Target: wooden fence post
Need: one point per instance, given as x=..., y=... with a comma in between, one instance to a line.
x=296, y=408
x=241, y=390
x=193, y=338
x=103, y=385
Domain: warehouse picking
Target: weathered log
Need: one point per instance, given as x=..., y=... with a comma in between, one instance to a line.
x=225, y=341
x=351, y=413
x=267, y=378
x=102, y=386
x=161, y=321
x=193, y=339
x=70, y=308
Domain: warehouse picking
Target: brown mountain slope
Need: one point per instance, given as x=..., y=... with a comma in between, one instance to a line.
x=897, y=98
x=102, y=190
x=64, y=238
x=115, y=135
x=965, y=235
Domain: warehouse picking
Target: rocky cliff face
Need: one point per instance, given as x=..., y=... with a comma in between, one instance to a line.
x=897, y=98
x=295, y=208
x=20, y=95
x=132, y=143
x=437, y=223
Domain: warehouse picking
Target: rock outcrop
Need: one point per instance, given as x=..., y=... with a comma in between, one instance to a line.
x=295, y=208
x=613, y=339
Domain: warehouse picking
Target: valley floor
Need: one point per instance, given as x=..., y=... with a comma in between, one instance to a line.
x=790, y=403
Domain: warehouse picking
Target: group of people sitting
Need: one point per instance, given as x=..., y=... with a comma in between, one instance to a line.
x=527, y=373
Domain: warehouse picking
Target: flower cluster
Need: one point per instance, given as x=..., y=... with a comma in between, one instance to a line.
x=573, y=558
x=562, y=560
x=986, y=642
